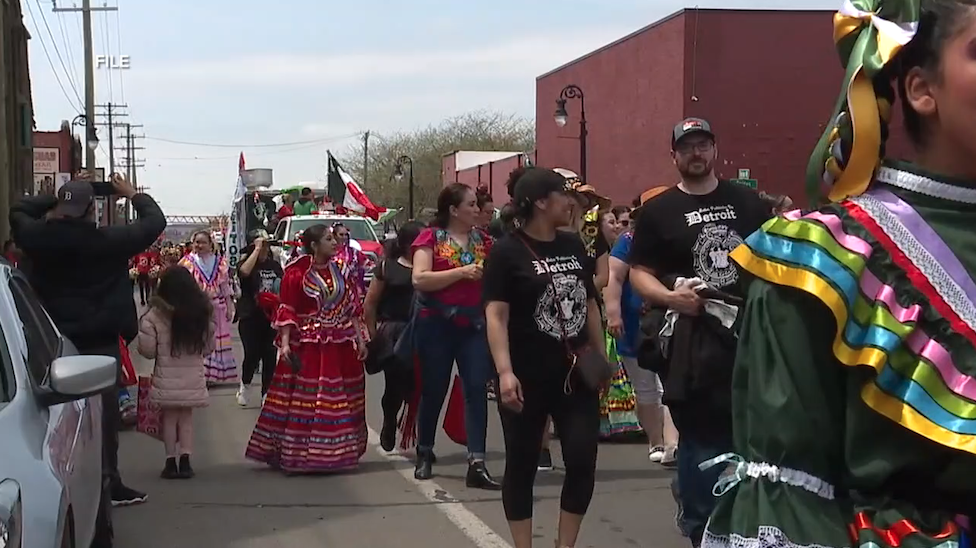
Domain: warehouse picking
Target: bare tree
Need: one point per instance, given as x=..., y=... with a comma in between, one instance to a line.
x=481, y=130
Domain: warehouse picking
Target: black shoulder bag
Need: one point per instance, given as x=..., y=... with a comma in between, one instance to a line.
x=593, y=365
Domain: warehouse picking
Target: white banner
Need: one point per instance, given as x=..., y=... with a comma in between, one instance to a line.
x=236, y=239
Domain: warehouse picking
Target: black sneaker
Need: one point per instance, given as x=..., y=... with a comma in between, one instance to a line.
x=545, y=460
x=124, y=496
x=186, y=471
x=170, y=471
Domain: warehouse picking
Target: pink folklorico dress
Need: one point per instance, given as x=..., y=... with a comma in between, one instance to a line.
x=213, y=276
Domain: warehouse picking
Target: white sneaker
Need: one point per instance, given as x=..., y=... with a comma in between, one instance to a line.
x=242, y=396
x=655, y=454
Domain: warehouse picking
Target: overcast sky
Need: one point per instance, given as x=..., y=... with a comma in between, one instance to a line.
x=311, y=76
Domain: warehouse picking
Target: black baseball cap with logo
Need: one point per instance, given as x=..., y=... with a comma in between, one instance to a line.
x=75, y=199
x=689, y=126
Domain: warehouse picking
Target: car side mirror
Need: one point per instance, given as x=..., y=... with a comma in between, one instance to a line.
x=77, y=377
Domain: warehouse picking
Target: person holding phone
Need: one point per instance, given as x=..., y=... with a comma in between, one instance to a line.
x=80, y=273
x=540, y=299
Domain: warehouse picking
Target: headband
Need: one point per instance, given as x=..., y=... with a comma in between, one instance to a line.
x=868, y=34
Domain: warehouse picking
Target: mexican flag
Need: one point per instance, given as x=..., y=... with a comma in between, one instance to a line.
x=345, y=192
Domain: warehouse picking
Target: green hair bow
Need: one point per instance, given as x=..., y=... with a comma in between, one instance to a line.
x=868, y=35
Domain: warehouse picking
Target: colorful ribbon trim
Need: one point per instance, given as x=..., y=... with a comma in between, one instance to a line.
x=918, y=385
x=896, y=534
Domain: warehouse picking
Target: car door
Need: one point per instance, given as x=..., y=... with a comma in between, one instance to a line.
x=73, y=449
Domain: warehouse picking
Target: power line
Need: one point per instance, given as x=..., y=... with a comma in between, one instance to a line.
x=54, y=44
x=67, y=48
x=265, y=145
x=235, y=157
x=107, y=41
x=49, y=61
x=118, y=38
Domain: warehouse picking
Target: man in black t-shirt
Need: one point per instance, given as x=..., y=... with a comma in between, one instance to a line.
x=258, y=273
x=689, y=231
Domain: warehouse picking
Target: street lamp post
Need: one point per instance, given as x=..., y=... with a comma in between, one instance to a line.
x=91, y=137
x=398, y=175
x=572, y=91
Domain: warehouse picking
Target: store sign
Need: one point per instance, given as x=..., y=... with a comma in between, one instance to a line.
x=47, y=160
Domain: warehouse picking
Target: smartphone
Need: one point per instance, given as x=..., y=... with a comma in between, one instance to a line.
x=103, y=188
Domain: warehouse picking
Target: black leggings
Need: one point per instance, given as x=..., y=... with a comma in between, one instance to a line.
x=399, y=383
x=257, y=338
x=145, y=288
x=577, y=417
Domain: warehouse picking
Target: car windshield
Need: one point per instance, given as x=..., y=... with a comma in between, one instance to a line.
x=358, y=228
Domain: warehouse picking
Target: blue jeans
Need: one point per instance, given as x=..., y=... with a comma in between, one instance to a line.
x=692, y=487
x=440, y=343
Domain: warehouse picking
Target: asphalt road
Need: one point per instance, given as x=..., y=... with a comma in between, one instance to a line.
x=233, y=503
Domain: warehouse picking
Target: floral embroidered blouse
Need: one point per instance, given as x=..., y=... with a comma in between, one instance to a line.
x=448, y=254
x=324, y=303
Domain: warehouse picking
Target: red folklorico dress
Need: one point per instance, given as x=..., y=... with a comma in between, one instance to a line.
x=314, y=420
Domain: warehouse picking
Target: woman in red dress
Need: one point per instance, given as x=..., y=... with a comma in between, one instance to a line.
x=314, y=417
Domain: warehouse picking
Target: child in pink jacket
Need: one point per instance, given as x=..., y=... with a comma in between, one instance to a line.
x=178, y=332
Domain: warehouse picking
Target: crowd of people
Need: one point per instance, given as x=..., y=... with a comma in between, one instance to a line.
x=807, y=373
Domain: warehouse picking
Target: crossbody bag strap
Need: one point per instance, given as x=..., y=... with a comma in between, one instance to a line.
x=570, y=353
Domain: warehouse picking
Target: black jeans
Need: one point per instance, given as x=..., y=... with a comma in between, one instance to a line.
x=111, y=417
x=257, y=337
x=577, y=416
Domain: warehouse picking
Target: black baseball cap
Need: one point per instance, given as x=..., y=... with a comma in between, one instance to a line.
x=75, y=199
x=689, y=126
x=537, y=183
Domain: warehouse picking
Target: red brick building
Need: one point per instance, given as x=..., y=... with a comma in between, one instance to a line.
x=765, y=80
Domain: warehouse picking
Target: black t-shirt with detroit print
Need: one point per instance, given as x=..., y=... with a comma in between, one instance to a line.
x=539, y=312
x=680, y=234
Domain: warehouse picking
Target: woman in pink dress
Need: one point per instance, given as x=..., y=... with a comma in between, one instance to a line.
x=213, y=276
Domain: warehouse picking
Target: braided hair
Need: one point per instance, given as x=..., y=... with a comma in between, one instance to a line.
x=880, y=42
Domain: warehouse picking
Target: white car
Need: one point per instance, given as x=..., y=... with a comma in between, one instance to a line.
x=51, y=492
x=361, y=233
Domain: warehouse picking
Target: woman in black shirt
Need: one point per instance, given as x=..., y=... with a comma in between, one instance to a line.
x=387, y=311
x=539, y=295
x=258, y=273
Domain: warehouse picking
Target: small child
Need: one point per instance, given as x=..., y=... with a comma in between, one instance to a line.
x=178, y=332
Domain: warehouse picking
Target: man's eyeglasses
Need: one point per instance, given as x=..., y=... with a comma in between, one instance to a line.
x=702, y=146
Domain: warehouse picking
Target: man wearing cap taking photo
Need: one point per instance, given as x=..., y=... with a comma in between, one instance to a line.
x=688, y=231
x=80, y=273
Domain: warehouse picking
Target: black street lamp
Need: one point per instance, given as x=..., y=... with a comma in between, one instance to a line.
x=572, y=91
x=91, y=132
x=398, y=175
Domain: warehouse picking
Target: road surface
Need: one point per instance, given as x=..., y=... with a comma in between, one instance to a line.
x=234, y=503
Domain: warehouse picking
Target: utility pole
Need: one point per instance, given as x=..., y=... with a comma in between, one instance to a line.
x=365, y=157
x=131, y=163
x=86, y=10
x=111, y=115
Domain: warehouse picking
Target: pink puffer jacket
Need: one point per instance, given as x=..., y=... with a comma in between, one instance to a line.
x=177, y=381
